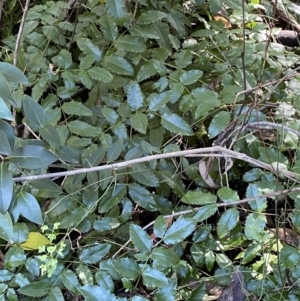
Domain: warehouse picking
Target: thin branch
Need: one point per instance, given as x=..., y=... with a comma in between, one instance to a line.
x=21, y=29
x=209, y=151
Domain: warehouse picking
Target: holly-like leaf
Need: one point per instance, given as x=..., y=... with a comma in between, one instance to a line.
x=109, y=27
x=226, y=194
x=255, y=225
x=100, y=74
x=94, y=254
x=175, y=124
x=118, y=65
x=88, y=47
x=141, y=240
x=190, y=77
x=179, y=230
x=76, y=108
x=130, y=43
x=139, y=122
x=127, y=268
x=153, y=278
x=205, y=212
x=199, y=198
x=114, y=151
x=135, y=96
x=218, y=124
x=227, y=222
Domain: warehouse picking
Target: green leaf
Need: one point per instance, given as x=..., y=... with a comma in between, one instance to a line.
x=205, y=101
x=29, y=207
x=94, y=254
x=32, y=157
x=100, y=74
x=150, y=16
x=227, y=222
x=158, y=101
x=55, y=294
x=146, y=71
x=252, y=251
x=135, y=97
x=86, y=61
x=141, y=196
x=255, y=225
x=34, y=112
x=76, y=108
x=205, y=212
x=139, y=122
x=175, y=124
x=5, y=148
x=50, y=134
x=6, y=227
x=109, y=28
x=127, y=268
x=162, y=30
x=5, y=91
x=88, y=47
x=168, y=292
x=6, y=188
x=144, y=175
x=114, y=151
x=68, y=79
x=83, y=129
x=260, y=204
x=113, y=196
x=226, y=194
x=117, y=65
x=70, y=280
x=199, y=198
x=153, y=278
x=183, y=58
x=190, y=77
x=64, y=59
x=289, y=256
x=271, y=155
x=215, y=6
x=160, y=226
x=115, y=8
x=218, y=124
x=179, y=230
x=141, y=240
x=5, y=112
x=105, y=280
x=165, y=257
x=85, y=79
x=36, y=289
x=13, y=74
x=130, y=43
x=252, y=175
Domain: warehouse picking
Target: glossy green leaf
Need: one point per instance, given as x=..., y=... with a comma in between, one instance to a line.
x=100, y=74
x=85, y=79
x=109, y=27
x=113, y=196
x=55, y=294
x=158, y=101
x=64, y=59
x=260, y=204
x=9, y=132
x=289, y=256
x=130, y=43
x=50, y=134
x=190, y=77
x=139, y=122
x=114, y=151
x=165, y=257
x=205, y=212
x=4, y=146
x=106, y=223
x=86, y=62
x=183, y=58
x=5, y=91
x=144, y=175
x=32, y=157
x=5, y=112
x=198, y=198
x=227, y=222
x=135, y=96
x=35, y=289
x=88, y=47
x=83, y=129
x=94, y=253
x=175, y=124
x=68, y=79
x=153, y=278
x=6, y=227
x=118, y=65
x=76, y=108
x=29, y=207
x=105, y=280
x=218, y=124
x=162, y=30
x=150, y=17
x=168, y=292
x=70, y=280
x=179, y=230
x=146, y=71
x=255, y=225
x=205, y=101
x=141, y=240
x=141, y=196
x=251, y=252
x=6, y=188
x=160, y=226
x=13, y=74
x=34, y=112
x=127, y=268
x=226, y=194
x=115, y=8
x=252, y=175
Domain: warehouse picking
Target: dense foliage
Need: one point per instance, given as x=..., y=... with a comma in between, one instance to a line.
x=106, y=110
